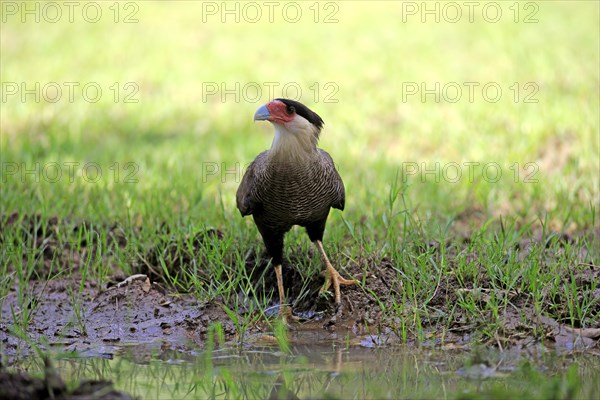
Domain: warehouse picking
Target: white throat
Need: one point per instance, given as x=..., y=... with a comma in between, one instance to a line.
x=297, y=143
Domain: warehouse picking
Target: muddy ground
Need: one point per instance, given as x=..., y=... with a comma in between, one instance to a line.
x=143, y=312
x=22, y=386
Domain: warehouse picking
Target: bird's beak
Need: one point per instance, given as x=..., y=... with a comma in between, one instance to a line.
x=262, y=114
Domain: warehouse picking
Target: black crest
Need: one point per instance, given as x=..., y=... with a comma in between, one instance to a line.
x=304, y=111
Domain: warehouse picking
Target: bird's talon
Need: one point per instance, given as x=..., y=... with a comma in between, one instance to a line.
x=347, y=282
x=285, y=313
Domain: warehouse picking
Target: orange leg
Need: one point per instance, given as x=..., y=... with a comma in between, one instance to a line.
x=285, y=311
x=332, y=276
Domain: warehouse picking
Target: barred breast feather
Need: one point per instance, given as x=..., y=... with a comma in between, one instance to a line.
x=280, y=194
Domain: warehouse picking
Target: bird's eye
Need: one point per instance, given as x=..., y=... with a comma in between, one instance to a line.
x=291, y=109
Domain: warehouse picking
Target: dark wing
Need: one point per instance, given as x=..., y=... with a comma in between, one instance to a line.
x=246, y=199
x=335, y=180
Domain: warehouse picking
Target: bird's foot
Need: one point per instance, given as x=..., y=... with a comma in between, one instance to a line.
x=334, y=277
x=289, y=319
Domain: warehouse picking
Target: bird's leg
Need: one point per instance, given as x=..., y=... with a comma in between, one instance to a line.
x=285, y=312
x=332, y=276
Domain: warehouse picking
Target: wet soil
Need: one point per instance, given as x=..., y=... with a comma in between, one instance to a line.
x=143, y=311
x=22, y=386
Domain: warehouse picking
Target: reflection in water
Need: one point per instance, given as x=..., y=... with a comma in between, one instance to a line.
x=334, y=371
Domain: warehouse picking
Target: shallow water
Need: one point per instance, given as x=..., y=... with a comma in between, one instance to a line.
x=334, y=370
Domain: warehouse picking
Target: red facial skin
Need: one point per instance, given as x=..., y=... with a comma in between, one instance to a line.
x=278, y=112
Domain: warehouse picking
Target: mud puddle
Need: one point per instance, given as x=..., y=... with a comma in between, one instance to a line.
x=140, y=321
x=138, y=313
x=331, y=371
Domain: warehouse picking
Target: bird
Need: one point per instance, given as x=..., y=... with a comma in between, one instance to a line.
x=292, y=183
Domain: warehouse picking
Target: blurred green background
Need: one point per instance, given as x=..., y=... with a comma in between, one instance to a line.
x=176, y=153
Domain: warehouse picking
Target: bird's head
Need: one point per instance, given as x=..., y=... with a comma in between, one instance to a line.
x=293, y=121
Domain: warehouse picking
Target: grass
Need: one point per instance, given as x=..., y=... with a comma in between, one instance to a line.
x=485, y=211
x=337, y=373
